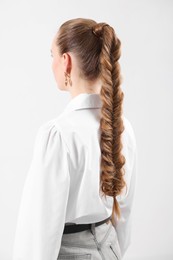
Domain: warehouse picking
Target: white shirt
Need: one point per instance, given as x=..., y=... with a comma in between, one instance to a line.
x=62, y=184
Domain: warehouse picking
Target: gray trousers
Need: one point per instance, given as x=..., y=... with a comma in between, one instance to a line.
x=97, y=243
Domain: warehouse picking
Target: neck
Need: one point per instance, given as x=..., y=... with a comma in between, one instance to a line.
x=82, y=86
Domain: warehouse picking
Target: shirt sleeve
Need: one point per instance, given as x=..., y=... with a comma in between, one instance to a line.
x=42, y=210
x=123, y=226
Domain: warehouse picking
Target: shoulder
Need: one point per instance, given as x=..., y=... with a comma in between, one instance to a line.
x=48, y=125
x=49, y=133
x=51, y=125
x=58, y=123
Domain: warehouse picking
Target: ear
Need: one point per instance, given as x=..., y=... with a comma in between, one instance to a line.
x=67, y=62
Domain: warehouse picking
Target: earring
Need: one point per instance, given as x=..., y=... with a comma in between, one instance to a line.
x=70, y=81
x=67, y=78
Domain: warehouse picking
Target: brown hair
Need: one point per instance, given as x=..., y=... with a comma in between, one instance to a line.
x=97, y=49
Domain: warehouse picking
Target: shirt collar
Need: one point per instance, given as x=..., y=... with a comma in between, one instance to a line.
x=84, y=100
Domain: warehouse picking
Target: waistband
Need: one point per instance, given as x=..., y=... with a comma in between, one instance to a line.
x=81, y=227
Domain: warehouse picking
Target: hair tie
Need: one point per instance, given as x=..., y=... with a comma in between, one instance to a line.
x=98, y=29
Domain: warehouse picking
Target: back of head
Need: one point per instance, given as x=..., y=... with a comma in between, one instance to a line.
x=97, y=50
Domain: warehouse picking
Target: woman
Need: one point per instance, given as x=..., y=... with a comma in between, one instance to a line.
x=78, y=195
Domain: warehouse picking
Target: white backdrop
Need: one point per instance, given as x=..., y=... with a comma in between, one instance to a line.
x=29, y=97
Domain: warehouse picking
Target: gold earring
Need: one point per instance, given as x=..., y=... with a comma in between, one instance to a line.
x=70, y=81
x=67, y=78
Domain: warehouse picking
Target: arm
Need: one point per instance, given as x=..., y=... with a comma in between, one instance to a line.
x=44, y=199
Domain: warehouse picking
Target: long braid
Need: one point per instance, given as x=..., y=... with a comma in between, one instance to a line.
x=111, y=123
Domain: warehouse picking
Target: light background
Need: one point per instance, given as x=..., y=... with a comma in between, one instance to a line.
x=29, y=97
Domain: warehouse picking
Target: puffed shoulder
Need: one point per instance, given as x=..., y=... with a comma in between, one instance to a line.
x=48, y=126
x=49, y=138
